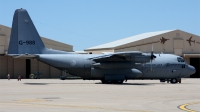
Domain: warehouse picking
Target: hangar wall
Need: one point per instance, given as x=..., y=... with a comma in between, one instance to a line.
x=16, y=67
x=100, y=51
x=177, y=44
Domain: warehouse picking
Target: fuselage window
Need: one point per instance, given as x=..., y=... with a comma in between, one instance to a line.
x=183, y=66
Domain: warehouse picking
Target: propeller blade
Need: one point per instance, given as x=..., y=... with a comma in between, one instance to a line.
x=151, y=65
x=152, y=55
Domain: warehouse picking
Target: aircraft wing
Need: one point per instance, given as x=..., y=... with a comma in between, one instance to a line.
x=120, y=56
x=190, y=38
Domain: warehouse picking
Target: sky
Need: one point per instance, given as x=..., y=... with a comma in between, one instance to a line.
x=88, y=23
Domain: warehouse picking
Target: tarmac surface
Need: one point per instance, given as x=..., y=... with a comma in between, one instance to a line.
x=54, y=95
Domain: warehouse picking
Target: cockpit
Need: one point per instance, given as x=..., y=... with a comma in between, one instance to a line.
x=180, y=59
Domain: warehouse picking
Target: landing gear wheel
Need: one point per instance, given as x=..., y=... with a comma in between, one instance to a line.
x=120, y=82
x=173, y=81
x=106, y=81
x=111, y=82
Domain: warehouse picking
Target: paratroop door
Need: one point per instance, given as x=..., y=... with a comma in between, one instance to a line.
x=87, y=71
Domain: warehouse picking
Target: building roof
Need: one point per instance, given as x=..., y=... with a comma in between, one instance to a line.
x=129, y=40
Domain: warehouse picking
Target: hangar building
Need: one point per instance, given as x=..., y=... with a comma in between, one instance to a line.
x=176, y=42
x=25, y=67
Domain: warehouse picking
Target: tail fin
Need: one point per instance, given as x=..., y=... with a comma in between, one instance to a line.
x=24, y=37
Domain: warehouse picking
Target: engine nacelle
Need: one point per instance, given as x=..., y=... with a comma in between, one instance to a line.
x=138, y=58
x=141, y=58
x=133, y=73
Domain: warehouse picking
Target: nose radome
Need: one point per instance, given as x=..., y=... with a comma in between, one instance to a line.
x=192, y=70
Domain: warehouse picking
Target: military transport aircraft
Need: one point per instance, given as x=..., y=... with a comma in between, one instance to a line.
x=25, y=42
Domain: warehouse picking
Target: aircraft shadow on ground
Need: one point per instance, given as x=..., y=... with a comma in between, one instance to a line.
x=129, y=84
x=36, y=83
x=137, y=84
x=53, y=83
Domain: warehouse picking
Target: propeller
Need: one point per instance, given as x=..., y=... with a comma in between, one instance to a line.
x=152, y=56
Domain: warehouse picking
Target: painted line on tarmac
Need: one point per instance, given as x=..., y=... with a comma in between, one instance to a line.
x=28, y=103
x=184, y=106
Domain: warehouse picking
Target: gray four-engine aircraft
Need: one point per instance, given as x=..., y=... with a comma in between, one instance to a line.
x=25, y=42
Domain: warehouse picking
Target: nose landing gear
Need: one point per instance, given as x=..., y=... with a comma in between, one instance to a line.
x=172, y=81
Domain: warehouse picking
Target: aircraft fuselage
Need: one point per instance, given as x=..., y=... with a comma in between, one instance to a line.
x=163, y=67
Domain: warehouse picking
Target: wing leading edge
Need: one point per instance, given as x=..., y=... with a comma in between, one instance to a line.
x=133, y=56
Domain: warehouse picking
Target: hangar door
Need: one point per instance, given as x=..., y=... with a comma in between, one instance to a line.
x=196, y=63
x=28, y=67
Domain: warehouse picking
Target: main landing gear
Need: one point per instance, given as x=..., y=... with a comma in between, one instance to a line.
x=173, y=81
x=112, y=82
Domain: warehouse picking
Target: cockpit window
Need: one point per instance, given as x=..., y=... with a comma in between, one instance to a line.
x=180, y=59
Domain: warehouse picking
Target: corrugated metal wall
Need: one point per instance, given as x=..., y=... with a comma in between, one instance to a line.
x=3, y=67
x=16, y=67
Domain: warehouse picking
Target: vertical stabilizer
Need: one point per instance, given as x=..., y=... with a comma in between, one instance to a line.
x=24, y=36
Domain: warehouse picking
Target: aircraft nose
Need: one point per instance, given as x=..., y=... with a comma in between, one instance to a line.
x=192, y=70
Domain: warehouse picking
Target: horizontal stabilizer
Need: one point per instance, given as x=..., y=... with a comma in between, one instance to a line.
x=24, y=56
